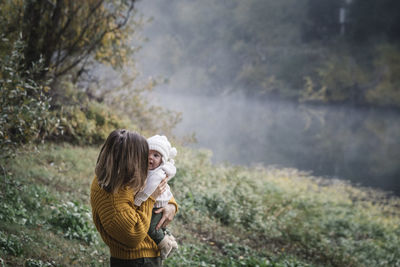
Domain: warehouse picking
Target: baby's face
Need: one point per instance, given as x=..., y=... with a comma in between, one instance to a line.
x=154, y=159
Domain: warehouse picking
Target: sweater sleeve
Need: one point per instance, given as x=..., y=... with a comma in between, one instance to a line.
x=151, y=184
x=130, y=226
x=173, y=202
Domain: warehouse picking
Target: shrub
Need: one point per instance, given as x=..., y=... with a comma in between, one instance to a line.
x=23, y=101
x=10, y=244
x=74, y=221
x=37, y=263
x=22, y=204
x=88, y=123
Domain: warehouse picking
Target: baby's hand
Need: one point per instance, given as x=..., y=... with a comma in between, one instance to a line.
x=160, y=189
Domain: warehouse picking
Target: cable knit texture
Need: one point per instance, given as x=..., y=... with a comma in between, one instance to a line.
x=122, y=225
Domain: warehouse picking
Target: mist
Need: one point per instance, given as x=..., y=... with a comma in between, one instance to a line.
x=358, y=144
x=334, y=142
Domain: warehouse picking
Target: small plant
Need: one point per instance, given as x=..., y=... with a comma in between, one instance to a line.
x=23, y=101
x=23, y=204
x=228, y=216
x=37, y=263
x=10, y=244
x=74, y=220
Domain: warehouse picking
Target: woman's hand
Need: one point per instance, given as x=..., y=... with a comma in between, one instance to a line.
x=168, y=215
x=160, y=188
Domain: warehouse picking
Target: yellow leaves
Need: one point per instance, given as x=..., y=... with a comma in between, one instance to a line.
x=110, y=36
x=312, y=94
x=387, y=65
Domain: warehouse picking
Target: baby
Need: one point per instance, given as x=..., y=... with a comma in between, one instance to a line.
x=161, y=164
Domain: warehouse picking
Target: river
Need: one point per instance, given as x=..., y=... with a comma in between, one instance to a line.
x=356, y=144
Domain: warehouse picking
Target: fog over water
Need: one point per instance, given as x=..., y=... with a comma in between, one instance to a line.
x=335, y=142
x=356, y=144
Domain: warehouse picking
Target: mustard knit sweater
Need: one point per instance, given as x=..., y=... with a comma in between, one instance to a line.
x=122, y=225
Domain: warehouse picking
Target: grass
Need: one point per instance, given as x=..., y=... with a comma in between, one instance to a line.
x=229, y=215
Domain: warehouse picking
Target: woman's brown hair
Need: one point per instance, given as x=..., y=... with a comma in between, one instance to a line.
x=122, y=161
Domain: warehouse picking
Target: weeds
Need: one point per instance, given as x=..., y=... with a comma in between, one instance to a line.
x=10, y=244
x=73, y=221
x=228, y=216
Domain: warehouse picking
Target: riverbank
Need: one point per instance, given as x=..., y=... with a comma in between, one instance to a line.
x=229, y=215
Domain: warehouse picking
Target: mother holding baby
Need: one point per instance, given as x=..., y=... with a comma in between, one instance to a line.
x=121, y=172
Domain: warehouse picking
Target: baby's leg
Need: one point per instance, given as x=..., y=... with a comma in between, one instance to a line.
x=166, y=243
x=156, y=235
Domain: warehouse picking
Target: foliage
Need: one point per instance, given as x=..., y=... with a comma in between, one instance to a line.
x=34, y=216
x=67, y=34
x=385, y=91
x=235, y=255
x=74, y=221
x=383, y=23
x=23, y=102
x=228, y=215
x=323, y=20
x=133, y=101
x=287, y=211
x=10, y=244
x=345, y=78
x=89, y=123
x=20, y=200
x=68, y=39
x=37, y=263
x=340, y=78
x=266, y=49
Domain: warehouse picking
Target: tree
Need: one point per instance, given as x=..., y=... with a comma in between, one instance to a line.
x=68, y=34
x=374, y=19
x=322, y=20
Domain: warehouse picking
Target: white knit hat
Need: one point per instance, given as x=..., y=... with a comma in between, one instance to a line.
x=161, y=144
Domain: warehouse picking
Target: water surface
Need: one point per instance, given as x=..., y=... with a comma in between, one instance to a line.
x=357, y=144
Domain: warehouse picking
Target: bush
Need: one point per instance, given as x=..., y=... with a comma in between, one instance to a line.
x=254, y=215
x=22, y=204
x=37, y=263
x=10, y=244
x=74, y=220
x=88, y=123
x=23, y=102
x=82, y=119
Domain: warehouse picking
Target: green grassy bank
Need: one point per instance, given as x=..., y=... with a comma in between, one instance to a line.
x=229, y=215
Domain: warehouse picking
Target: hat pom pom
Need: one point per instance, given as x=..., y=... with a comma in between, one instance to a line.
x=173, y=152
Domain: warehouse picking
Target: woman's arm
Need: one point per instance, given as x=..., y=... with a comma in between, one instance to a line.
x=169, y=212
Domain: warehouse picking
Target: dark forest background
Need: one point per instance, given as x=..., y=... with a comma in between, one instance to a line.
x=312, y=51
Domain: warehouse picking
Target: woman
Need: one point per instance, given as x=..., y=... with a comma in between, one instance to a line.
x=121, y=171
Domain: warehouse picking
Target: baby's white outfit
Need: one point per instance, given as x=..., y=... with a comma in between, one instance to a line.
x=166, y=243
x=154, y=178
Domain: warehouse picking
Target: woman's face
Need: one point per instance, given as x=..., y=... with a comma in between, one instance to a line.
x=154, y=159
